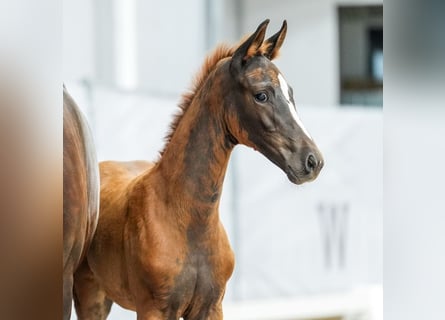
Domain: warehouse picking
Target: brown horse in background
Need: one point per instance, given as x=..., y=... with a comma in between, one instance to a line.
x=160, y=248
x=80, y=194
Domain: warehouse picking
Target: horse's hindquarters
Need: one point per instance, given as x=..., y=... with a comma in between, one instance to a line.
x=80, y=193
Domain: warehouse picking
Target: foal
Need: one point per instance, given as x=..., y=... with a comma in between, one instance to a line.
x=160, y=248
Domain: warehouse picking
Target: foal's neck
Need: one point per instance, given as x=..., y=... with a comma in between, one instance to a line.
x=194, y=162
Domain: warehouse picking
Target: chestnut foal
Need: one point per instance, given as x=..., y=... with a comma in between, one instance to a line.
x=160, y=248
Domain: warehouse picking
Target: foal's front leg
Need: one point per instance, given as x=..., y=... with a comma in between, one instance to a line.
x=149, y=309
x=215, y=313
x=148, y=313
x=90, y=300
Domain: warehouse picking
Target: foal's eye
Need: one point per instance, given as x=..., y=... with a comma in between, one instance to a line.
x=261, y=97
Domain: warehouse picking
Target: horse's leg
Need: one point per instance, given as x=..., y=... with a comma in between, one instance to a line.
x=90, y=300
x=152, y=312
x=149, y=310
x=67, y=294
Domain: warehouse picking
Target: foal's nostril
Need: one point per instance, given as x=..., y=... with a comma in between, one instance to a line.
x=311, y=163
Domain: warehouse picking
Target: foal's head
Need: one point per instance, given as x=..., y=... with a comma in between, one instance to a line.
x=261, y=111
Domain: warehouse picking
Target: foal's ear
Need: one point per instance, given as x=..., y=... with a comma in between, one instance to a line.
x=271, y=46
x=251, y=46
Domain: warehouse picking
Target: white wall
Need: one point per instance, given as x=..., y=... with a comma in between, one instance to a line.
x=171, y=44
x=78, y=37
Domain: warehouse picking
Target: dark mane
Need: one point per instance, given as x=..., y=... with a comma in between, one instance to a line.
x=220, y=52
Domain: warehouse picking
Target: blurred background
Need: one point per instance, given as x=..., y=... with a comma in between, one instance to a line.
x=302, y=252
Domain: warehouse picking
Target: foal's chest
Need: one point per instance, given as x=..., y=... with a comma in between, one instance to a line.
x=196, y=265
x=198, y=286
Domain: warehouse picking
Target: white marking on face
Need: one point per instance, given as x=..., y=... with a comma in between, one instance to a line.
x=285, y=89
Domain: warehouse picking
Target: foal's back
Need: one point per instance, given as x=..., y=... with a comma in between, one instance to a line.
x=117, y=178
x=122, y=170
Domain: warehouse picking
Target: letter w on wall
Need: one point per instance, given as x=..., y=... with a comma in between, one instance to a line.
x=333, y=219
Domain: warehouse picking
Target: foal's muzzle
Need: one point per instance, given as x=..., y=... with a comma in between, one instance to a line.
x=305, y=166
